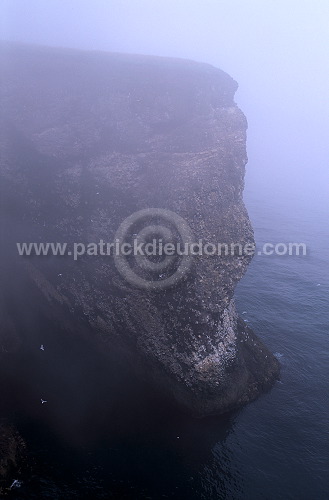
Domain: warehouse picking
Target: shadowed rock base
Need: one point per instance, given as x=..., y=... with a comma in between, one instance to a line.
x=12, y=449
x=91, y=138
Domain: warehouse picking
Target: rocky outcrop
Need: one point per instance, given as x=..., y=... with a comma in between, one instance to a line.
x=98, y=147
x=12, y=450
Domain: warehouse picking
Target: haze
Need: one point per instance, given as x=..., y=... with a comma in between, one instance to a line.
x=276, y=50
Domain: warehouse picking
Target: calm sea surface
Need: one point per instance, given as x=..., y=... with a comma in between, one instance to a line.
x=276, y=447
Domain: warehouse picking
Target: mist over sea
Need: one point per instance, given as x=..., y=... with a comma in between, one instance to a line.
x=275, y=447
x=100, y=437
x=282, y=439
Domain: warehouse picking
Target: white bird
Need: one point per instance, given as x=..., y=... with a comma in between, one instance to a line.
x=43, y=401
x=16, y=484
x=42, y=348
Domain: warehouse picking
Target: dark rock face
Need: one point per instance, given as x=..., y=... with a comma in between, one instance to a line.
x=91, y=138
x=12, y=450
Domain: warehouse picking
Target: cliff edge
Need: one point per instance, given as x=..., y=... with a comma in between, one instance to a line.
x=99, y=147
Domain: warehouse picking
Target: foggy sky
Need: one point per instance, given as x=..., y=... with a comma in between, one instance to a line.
x=277, y=50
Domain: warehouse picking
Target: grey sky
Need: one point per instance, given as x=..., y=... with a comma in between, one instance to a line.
x=276, y=49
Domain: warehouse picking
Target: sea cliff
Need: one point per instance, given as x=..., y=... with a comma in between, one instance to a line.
x=97, y=146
